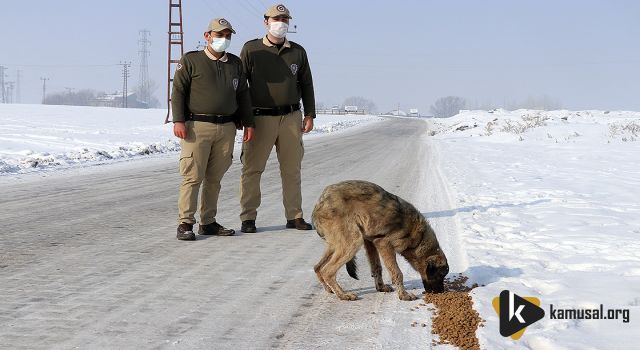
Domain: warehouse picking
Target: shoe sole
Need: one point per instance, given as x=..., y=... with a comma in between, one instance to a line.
x=300, y=229
x=217, y=234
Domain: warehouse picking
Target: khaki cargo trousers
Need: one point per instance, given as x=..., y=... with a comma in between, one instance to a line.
x=206, y=155
x=283, y=132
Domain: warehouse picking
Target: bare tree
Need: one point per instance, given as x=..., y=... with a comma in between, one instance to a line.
x=449, y=106
x=70, y=98
x=362, y=103
x=543, y=102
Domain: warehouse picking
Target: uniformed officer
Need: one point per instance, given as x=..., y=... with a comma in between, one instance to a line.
x=210, y=99
x=279, y=76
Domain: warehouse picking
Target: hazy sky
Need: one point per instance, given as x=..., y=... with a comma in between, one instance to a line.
x=586, y=54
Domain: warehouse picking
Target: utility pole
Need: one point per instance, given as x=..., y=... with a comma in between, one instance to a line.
x=44, y=88
x=18, y=85
x=10, y=85
x=144, y=43
x=68, y=100
x=175, y=39
x=125, y=76
x=3, y=98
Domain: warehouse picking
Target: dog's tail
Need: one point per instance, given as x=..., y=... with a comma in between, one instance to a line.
x=352, y=268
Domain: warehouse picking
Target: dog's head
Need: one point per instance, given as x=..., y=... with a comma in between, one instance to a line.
x=433, y=276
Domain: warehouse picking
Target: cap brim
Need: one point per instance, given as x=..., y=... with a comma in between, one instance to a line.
x=288, y=16
x=231, y=29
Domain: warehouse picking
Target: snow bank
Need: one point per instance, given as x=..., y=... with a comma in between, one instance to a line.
x=548, y=207
x=548, y=126
x=37, y=137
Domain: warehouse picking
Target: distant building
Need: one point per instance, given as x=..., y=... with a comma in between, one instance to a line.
x=351, y=109
x=396, y=113
x=115, y=100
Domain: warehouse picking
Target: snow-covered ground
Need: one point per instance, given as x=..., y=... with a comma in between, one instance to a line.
x=544, y=204
x=548, y=205
x=45, y=138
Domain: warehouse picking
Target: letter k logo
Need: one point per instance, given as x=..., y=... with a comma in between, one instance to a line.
x=516, y=313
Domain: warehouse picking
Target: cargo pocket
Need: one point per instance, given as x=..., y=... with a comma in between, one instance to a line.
x=186, y=163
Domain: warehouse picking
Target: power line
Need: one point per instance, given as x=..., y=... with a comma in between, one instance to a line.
x=59, y=65
x=263, y=4
x=226, y=10
x=249, y=8
x=260, y=13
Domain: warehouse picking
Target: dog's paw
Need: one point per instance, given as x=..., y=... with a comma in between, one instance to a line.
x=348, y=296
x=385, y=288
x=406, y=296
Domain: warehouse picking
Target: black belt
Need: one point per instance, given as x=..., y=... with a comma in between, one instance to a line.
x=276, y=110
x=216, y=119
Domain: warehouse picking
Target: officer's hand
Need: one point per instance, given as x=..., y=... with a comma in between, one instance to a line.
x=307, y=124
x=248, y=134
x=180, y=130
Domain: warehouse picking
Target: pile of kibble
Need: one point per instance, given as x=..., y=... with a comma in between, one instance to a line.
x=455, y=320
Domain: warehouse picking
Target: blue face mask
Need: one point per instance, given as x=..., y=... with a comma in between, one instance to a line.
x=220, y=44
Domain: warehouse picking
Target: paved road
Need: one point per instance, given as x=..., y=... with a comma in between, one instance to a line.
x=89, y=259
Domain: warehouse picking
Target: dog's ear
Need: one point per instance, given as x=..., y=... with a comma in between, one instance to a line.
x=431, y=270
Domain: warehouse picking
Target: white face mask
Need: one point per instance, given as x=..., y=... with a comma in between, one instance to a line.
x=220, y=44
x=278, y=29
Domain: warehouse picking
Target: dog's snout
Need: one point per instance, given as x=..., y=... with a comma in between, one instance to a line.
x=433, y=286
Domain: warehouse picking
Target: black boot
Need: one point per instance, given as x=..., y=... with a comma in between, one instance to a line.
x=248, y=226
x=215, y=229
x=298, y=224
x=185, y=232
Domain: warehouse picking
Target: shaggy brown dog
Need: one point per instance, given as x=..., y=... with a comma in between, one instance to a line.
x=352, y=213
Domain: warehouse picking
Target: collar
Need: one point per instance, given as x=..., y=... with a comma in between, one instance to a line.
x=266, y=42
x=224, y=57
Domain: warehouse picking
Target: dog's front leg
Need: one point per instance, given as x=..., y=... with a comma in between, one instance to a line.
x=388, y=255
x=376, y=268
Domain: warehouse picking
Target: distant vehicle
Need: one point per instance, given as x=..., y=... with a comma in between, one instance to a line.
x=413, y=112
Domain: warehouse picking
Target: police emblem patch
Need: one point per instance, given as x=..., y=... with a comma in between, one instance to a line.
x=235, y=83
x=294, y=69
x=281, y=8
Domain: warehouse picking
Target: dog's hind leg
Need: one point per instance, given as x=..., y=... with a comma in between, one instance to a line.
x=388, y=255
x=376, y=268
x=325, y=258
x=340, y=257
